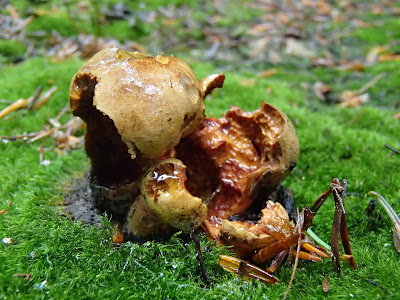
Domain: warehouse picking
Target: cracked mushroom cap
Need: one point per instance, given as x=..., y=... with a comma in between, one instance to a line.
x=234, y=160
x=152, y=101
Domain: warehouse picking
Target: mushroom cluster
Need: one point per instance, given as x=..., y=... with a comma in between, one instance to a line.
x=157, y=158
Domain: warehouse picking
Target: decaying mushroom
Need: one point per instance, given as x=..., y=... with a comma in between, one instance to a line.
x=152, y=149
x=235, y=159
x=140, y=110
x=136, y=109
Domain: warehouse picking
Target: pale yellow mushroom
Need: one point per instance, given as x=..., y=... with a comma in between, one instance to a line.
x=165, y=194
x=142, y=223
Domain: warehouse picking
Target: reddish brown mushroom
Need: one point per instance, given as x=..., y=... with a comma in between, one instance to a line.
x=234, y=159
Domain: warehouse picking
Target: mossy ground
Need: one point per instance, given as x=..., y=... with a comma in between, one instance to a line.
x=76, y=261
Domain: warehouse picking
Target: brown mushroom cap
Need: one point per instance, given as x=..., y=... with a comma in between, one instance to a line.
x=152, y=101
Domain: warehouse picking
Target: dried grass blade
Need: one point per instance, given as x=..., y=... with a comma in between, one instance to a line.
x=305, y=255
x=299, y=228
x=393, y=216
x=20, y=103
x=344, y=234
x=320, y=200
x=35, y=97
x=244, y=269
x=310, y=248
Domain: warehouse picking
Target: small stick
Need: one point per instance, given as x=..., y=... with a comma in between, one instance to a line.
x=43, y=100
x=23, y=275
x=20, y=103
x=35, y=97
x=310, y=248
x=393, y=149
x=370, y=83
x=305, y=255
x=245, y=270
x=296, y=262
x=200, y=259
x=337, y=219
x=40, y=135
x=17, y=137
x=374, y=283
x=344, y=234
x=277, y=261
x=320, y=200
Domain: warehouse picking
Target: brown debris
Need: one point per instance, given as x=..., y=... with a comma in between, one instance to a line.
x=321, y=90
x=245, y=270
x=64, y=135
x=34, y=102
x=26, y=276
x=325, y=285
x=353, y=99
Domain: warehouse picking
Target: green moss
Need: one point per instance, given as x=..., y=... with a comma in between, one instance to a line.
x=11, y=51
x=71, y=260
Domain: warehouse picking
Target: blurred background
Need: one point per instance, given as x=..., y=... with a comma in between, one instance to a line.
x=230, y=34
x=260, y=36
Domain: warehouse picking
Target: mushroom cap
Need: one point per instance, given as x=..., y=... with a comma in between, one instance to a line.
x=165, y=194
x=152, y=101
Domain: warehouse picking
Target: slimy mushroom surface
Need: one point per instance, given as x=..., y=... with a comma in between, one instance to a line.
x=166, y=196
x=152, y=147
x=136, y=108
x=234, y=159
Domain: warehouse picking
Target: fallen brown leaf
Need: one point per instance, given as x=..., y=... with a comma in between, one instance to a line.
x=352, y=66
x=373, y=54
x=247, y=82
x=268, y=73
x=353, y=99
x=325, y=285
x=388, y=57
x=23, y=275
x=321, y=90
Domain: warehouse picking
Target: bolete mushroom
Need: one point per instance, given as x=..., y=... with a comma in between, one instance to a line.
x=141, y=110
x=136, y=108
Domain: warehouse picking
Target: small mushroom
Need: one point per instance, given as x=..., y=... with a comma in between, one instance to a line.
x=142, y=223
x=166, y=196
x=136, y=109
